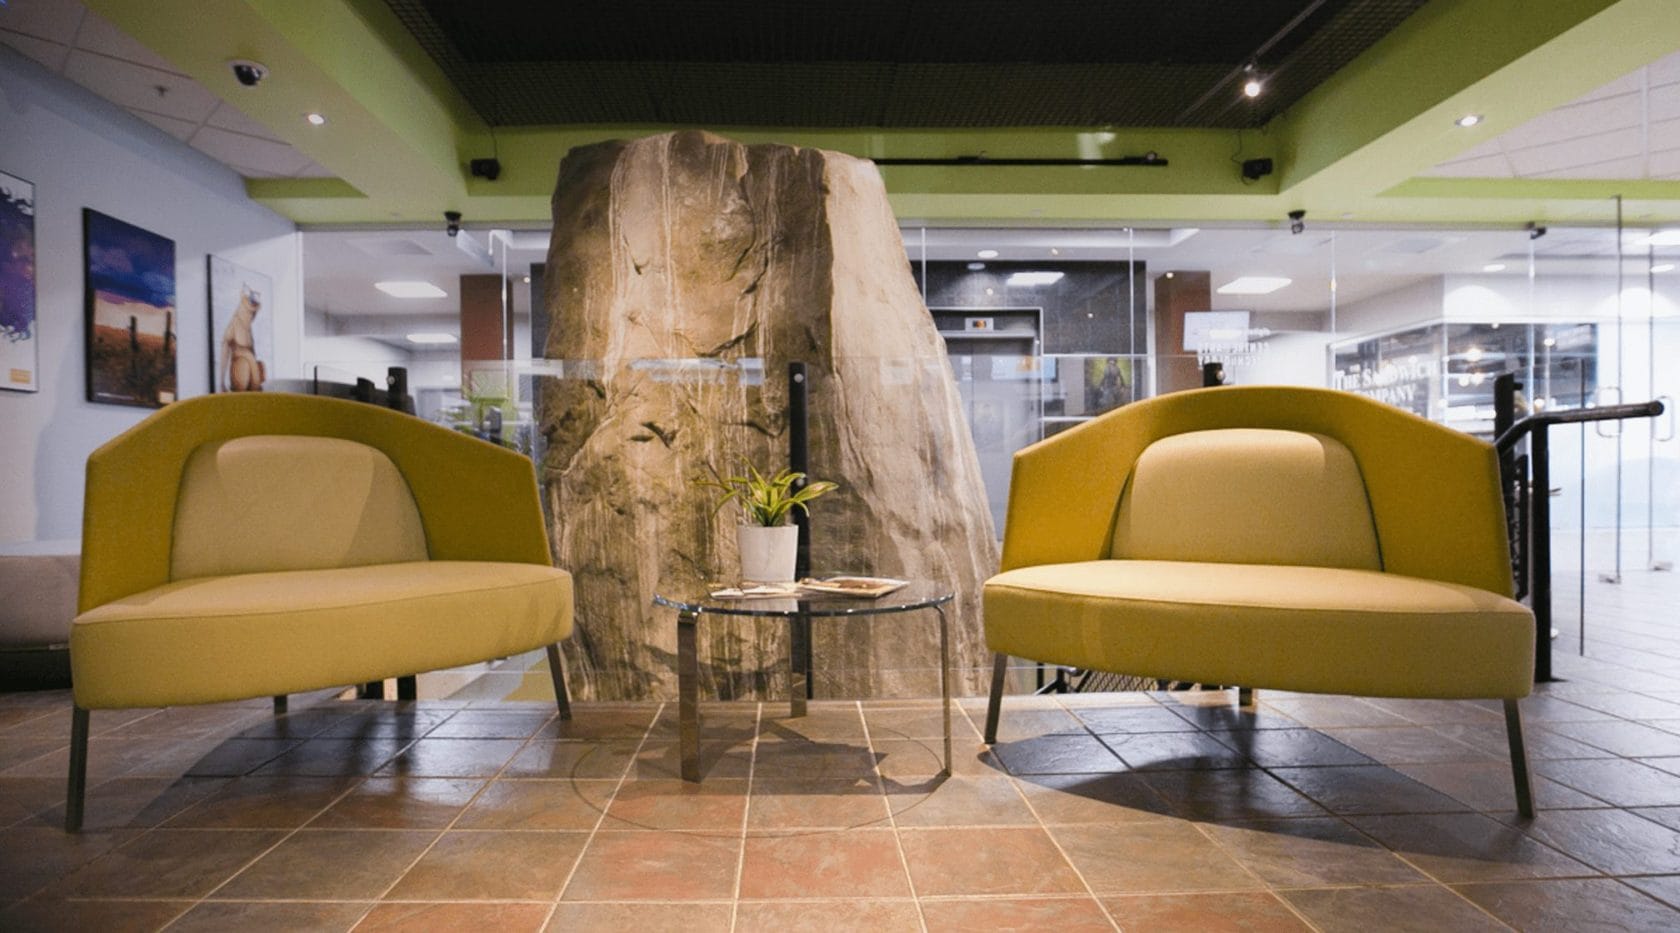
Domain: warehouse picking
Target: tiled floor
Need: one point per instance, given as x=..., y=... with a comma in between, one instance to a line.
x=1137, y=811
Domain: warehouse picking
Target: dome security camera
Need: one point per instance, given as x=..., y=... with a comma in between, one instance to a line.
x=247, y=72
x=451, y=222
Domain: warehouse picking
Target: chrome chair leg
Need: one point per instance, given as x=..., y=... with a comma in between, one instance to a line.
x=1519, y=761
x=559, y=675
x=77, y=789
x=1000, y=663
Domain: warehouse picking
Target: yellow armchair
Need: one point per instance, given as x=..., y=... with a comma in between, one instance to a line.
x=247, y=545
x=1287, y=538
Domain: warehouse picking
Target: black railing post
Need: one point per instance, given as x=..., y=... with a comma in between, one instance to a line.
x=799, y=459
x=1540, y=552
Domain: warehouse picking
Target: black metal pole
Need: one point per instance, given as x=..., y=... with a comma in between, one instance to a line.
x=799, y=457
x=1540, y=553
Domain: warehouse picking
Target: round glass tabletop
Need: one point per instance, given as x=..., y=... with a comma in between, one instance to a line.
x=917, y=594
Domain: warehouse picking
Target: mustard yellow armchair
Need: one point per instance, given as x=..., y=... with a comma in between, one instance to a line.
x=1287, y=538
x=254, y=544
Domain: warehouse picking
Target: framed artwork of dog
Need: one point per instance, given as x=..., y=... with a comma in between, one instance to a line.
x=241, y=327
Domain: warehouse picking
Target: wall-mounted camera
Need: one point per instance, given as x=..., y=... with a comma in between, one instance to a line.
x=247, y=72
x=1297, y=221
x=451, y=222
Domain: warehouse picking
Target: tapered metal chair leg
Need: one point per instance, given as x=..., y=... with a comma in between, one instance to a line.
x=1519, y=761
x=77, y=789
x=559, y=675
x=279, y=704
x=1000, y=664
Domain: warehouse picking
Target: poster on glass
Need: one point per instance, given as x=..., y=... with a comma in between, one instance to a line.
x=130, y=305
x=18, y=352
x=241, y=332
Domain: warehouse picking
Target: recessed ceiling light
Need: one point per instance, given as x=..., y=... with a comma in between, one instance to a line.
x=1494, y=267
x=987, y=254
x=1030, y=279
x=315, y=119
x=1254, y=285
x=991, y=291
x=1468, y=120
x=526, y=279
x=1054, y=251
x=1550, y=341
x=976, y=267
x=1663, y=267
x=1664, y=238
x=431, y=338
x=1252, y=87
x=411, y=289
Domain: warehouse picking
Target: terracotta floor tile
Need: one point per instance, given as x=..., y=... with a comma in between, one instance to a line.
x=1616, y=780
x=1016, y=723
x=168, y=863
x=1335, y=712
x=987, y=861
x=1158, y=857
x=1130, y=719
x=22, y=797
x=1540, y=744
x=816, y=805
x=1632, y=739
x=220, y=916
x=853, y=863
x=783, y=761
x=329, y=864
x=606, y=760
x=1233, y=912
x=105, y=916
x=1425, y=712
x=1665, y=888
x=621, y=866
x=1092, y=798
x=1285, y=748
x=1599, y=904
x=717, y=805
x=492, y=724
x=662, y=761
x=538, y=804
x=431, y=757
x=1311, y=852
x=238, y=757
x=641, y=918
x=1227, y=717
x=33, y=856
x=386, y=724
x=455, y=918
x=1230, y=795
x=1667, y=816
x=1057, y=754
x=1366, y=789
x=259, y=802
x=826, y=916
x=921, y=723
x=1455, y=847
x=1542, y=707
x=131, y=802
x=330, y=757
x=1488, y=786
x=914, y=762
x=962, y=801
x=16, y=751
x=217, y=719
x=492, y=866
x=843, y=725
x=400, y=803
x=1410, y=909
x=1070, y=914
x=1407, y=745
x=1630, y=706
x=595, y=724
x=1174, y=751
x=1613, y=841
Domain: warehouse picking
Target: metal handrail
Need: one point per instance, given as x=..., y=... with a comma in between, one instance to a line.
x=1515, y=432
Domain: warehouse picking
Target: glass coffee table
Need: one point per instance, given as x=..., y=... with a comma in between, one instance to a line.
x=798, y=611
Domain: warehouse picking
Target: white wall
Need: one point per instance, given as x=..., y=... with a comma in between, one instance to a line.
x=80, y=151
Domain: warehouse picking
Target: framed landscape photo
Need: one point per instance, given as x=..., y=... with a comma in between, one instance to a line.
x=130, y=303
x=19, y=352
x=241, y=328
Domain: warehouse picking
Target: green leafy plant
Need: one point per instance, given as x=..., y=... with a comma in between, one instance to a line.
x=765, y=500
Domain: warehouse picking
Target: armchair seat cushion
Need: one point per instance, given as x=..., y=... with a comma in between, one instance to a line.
x=220, y=638
x=1308, y=629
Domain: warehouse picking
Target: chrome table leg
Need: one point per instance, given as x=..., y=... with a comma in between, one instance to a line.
x=799, y=663
x=688, y=696
x=945, y=681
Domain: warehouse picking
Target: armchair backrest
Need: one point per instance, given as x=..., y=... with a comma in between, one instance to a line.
x=1434, y=492
x=1247, y=496
x=271, y=502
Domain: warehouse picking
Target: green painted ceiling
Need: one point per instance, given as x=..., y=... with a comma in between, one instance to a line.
x=401, y=132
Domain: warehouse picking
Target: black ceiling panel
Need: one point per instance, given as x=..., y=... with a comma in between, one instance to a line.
x=890, y=63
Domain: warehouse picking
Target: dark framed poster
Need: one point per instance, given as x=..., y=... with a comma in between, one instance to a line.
x=19, y=348
x=130, y=301
x=241, y=329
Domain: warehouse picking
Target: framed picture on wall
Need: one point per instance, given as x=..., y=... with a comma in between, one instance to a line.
x=241, y=327
x=130, y=304
x=19, y=353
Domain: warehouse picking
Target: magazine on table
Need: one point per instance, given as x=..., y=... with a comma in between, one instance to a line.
x=842, y=585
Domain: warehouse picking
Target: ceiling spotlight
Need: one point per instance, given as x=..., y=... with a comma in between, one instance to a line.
x=1494, y=267
x=1468, y=120
x=1663, y=267
x=1253, y=285
x=1252, y=85
x=976, y=267
x=1664, y=238
x=410, y=289
x=1297, y=222
x=431, y=338
x=315, y=119
x=987, y=254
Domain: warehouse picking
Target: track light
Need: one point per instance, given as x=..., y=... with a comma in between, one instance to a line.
x=1252, y=85
x=1297, y=222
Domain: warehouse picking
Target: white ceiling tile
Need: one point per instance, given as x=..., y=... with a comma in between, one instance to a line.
x=237, y=149
x=246, y=171
x=1630, y=167
x=1495, y=166
x=1666, y=165
x=50, y=54
x=1591, y=150
x=1482, y=150
x=1626, y=84
x=136, y=86
x=1665, y=70
x=227, y=117
x=1664, y=135
x=1576, y=121
x=314, y=169
x=99, y=35
x=53, y=20
x=180, y=129
x=1664, y=102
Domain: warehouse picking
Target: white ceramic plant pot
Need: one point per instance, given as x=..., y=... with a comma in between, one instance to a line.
x=768, y=554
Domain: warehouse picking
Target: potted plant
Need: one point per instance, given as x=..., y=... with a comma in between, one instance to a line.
x=769, y=547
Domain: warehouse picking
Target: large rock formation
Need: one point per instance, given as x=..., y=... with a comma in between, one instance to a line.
x=685, y=272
